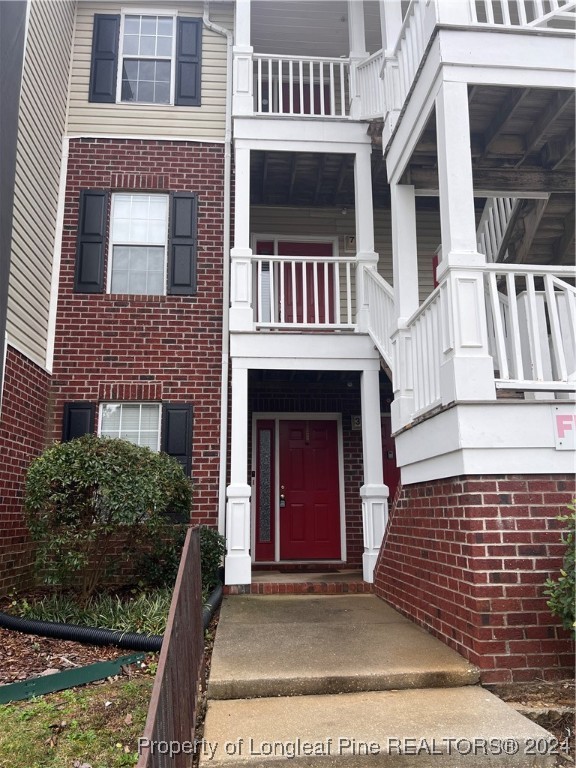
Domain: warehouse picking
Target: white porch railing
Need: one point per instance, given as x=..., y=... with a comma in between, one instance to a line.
x=371, y=86
x=493, y=226
x=531, y=315
x=304, y=292
x=427, y=354
x=301, y=86
x=522, y=13
x=379, y=297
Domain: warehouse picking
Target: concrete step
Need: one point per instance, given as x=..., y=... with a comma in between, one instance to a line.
x=290, y=645
x=464, y=727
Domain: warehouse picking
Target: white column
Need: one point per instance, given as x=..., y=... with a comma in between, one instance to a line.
x=242, y=98
x=467, y=372
x=374, y=493
x=241, y=317
x=358, y=52
x=390, y=22
x=238, y=564
x=406, y=299
x=365, y=254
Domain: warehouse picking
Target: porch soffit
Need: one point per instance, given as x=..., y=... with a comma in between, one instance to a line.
x=309, y=27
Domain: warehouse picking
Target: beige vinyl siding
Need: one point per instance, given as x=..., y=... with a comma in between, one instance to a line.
x=331, y=222
x=165, y=120
x=39, y=154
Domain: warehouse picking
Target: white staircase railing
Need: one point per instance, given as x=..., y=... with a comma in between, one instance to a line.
x=496, y=217
x=304, y=292
x=379, y=297
x=522, y=13
x=301, y=86
x=531, y=312
x=371, y=86
x=427, y=354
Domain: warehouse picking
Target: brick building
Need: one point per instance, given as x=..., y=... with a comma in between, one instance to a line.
x=322, y=254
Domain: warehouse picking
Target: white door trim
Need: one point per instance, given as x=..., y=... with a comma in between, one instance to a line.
x=277, y=418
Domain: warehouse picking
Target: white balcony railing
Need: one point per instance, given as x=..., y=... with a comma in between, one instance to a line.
x=522, y=13
x=379, y=297
x=301, y=86
x=531, y=314
x=427, y=353
x=493, y=226
x=304, y=292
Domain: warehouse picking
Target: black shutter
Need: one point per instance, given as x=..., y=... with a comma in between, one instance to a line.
x=188, y=62
x=182, y=244
x=90, y=248
x=104, y=66
x=78, y=420
x=177, y=433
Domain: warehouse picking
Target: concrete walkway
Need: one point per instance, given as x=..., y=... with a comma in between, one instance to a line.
x=345, y=680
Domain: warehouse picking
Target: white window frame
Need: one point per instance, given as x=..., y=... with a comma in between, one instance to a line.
x=112, y=243
x=147, y=12
x=131, y=402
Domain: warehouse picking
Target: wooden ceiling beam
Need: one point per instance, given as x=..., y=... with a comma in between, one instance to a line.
x=559, y=103
x=556, y=151
x=498, y=182
x=502, y=116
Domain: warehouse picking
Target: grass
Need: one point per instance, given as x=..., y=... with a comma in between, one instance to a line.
x=143, y=612
x=96, y=724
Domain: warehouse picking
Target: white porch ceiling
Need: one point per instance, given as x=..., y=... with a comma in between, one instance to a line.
x=310, y=27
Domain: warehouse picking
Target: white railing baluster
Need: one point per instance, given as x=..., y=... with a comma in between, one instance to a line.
x=294, y=287
x=311, y=88
x=514, y=326
x=283, y=266
x=321, y=82
x=273, y=302
x=280, y=89
x=326, y=295
x=337, y=297
x=556, y=345
x=342, y=90
x=301, y=85
x=348, y=294
x=499, y=337
x=270, y=87
x=522, y=13
x=304, y=295
x=534, y=329
x=489, y=12
x=260, y=291
x=291, y=87
x=316, y=302
x=332, y=105
x=259, y=86
x=505, y=12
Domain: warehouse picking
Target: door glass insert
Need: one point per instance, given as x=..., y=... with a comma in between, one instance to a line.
x=265, y=485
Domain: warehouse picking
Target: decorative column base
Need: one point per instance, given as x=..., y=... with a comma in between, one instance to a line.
x=238, y=563
x=374, y=519
x=241, y=315
x=467, y=378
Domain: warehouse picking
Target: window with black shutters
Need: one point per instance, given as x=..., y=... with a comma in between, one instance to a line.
x=146, y=59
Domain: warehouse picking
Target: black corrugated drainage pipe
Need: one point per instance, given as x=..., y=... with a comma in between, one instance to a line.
x=97, y=636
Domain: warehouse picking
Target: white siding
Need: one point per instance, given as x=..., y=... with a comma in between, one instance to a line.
x=41, y=127
x=204, y=122
x=331, y=222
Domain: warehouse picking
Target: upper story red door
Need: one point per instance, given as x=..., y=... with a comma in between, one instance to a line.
x=309, y=491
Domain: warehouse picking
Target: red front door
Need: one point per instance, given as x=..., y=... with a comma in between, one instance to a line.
x=309, y=491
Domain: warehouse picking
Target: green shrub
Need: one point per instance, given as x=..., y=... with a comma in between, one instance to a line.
x=84, y=495
x=159, y=567
x=212, y=548
x=561, y=591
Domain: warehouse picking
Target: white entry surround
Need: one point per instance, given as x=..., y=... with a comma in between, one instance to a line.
x=326, y=352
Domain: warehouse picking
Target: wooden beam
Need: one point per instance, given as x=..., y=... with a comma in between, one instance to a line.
x=558, y=104
x=531, y=222
x=319, y=178
x=556, y=151
x=497, y=182
x=502, y=116
x=564, y=250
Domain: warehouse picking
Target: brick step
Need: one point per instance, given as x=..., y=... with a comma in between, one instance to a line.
x=330, y=582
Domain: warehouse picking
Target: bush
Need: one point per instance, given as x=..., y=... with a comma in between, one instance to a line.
x=212, y=548
x=562, y=592
x=83, y=495
x=159, y=567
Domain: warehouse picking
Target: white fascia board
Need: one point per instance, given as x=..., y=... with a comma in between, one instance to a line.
x=509, y=58
x=304, y=352
x=489, y=438
x=295, y=135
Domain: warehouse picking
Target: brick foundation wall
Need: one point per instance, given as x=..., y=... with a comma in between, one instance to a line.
x=164, y=348
x=467, y=558
x=22, y=435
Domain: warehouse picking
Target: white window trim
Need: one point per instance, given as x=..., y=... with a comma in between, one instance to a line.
x=112, y=243
x=131, y=402
x=147, y=12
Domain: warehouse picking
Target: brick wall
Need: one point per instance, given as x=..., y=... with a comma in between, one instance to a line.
x=162, y=347
x=22, y=430
x=467, y=558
